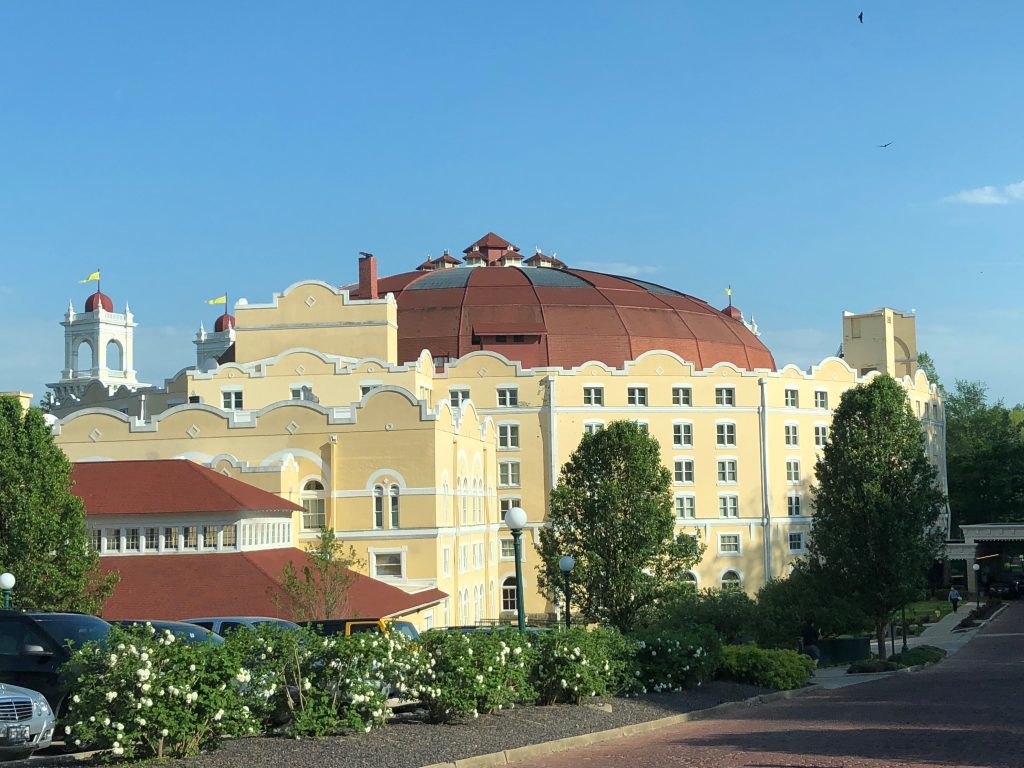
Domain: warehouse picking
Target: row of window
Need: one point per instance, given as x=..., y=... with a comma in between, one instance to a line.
x=725, y=434
x=638, y=395
x=164, y=538
x=314, y=516
x=683, y=471
x=729, y=506
x=732, y=543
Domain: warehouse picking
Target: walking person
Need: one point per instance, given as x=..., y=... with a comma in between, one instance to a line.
x=809, y=637
x=954, y=597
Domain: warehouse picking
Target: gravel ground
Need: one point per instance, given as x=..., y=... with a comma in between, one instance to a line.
x=409, y=742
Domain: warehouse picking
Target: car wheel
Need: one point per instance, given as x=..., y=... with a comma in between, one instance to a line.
x=17, y=755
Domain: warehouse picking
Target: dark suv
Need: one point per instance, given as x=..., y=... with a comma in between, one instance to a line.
x=34, y=646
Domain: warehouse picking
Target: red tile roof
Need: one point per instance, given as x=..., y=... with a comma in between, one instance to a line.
x=234, y=584
x=490, y=241
x=162, y=486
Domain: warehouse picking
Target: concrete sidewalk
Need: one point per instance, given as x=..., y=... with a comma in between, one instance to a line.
x=941, y=634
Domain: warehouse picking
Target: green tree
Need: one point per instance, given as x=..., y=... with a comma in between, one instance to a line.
x=613, y=511
x=984, y=458
x=877, y=503
x=926, y=364
x=319, y=589
x=43, y=539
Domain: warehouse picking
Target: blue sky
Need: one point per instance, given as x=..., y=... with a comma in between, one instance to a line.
x=190, y=148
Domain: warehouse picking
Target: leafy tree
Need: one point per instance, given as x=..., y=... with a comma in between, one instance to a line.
x=318, y=590
x=984, y=458
x=43, y=539
x=613, y=512
x=877, y=503
x=926, y=364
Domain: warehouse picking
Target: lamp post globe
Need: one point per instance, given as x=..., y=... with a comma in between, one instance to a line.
x=977, y=586
x=565, y=564
x=7, y=582
x=515, y=519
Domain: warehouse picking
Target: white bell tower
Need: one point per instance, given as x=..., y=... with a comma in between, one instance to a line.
x=98, y=346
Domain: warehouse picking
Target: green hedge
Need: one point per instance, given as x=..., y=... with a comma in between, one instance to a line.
x=922, y=654
x=767, y=667
x=673, y=660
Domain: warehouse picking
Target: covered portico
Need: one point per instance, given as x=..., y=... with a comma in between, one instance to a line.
x=976, y=537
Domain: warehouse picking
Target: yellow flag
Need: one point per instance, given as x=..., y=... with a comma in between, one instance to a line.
x=94, y=276
x=728, y=291
x=222, y=299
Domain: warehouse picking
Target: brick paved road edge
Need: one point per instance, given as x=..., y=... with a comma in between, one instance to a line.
x=531, y=751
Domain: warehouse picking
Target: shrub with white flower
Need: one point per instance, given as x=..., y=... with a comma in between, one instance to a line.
x=154, y=696
x=674, y=660
x=577, y=663
x=464, y=675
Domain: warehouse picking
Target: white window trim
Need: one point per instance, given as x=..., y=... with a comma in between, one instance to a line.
x=821, y=392
x=592, y=423
x=784, y=436
x=497, y=395
x=593, y=405
x=520, y=473
x=728, y=495
x=799, y=469
x=725, y=405
x=729, y=483
x=232, y=389
x=682, y=422
x=501, y=424
x=737, y=571
x=826, y=426
x=795, y=495
x=692, y=496
x=803, y=543
x=672, y=394
x=738, y=553
x=684, y=482
x=735, y=433
x=647, y=395
x=372, y=553
x=785, y=397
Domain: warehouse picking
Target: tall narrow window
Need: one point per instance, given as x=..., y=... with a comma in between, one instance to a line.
x=191, y=536
x=792, y=398
x=378, y=507
x=152, y=539
x=508, y=474
x=792, y=435
x=395, y=513
x=170, y=539
x=210, y=536
x=313, y=506
x=683, y=471
x=96, y=538
x=682, y=396
x=131, y=539
x=508, y=594
x=728, y=506
x=793, y=506
x=792, y=471
x=727, y=470
x=820, y=436
x=821, y=399
x=686, y=506
x=682, y=435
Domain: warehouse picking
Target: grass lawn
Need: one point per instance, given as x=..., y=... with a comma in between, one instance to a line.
x=927, y=608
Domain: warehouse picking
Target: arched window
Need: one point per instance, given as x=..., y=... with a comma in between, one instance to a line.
x=395, y=516
x=378, y=506
x=114, y=357
x=688, y=581
x=508, y=594
x=83, y=357
x=465, y=606
x=464, y=490
x=731, y=580
x=313, y=514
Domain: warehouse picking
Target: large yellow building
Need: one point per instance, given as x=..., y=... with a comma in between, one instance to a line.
x=411, y=412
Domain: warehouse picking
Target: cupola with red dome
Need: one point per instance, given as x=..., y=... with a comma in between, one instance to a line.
x=99, y=300
x=224, y=322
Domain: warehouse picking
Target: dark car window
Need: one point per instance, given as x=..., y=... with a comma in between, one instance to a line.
x=15, y=635
x=229, y=626
x=74, y=631
x=363, y=627
x=405, y=628
x=204, y=624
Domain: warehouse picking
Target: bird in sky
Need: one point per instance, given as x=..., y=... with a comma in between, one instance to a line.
x=860, y=17
x=883, y=146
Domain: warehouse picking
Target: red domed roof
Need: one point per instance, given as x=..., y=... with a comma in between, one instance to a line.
x=224, y=322
x=99, y=300
x=561, y=317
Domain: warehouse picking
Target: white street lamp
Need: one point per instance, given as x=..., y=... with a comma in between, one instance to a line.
x=515, y=519
x=565, y=564
x=7, y=582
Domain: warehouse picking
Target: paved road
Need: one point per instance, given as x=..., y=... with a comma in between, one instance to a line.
x=965, y=711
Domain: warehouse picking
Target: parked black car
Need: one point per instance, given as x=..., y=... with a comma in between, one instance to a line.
x=188, y=633
x=34, y=646
x=1002, y=589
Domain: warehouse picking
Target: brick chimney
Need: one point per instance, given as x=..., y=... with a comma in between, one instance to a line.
x=368, y=276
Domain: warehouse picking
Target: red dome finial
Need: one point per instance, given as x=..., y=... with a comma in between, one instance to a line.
x=224, y=322
x=98, y=300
